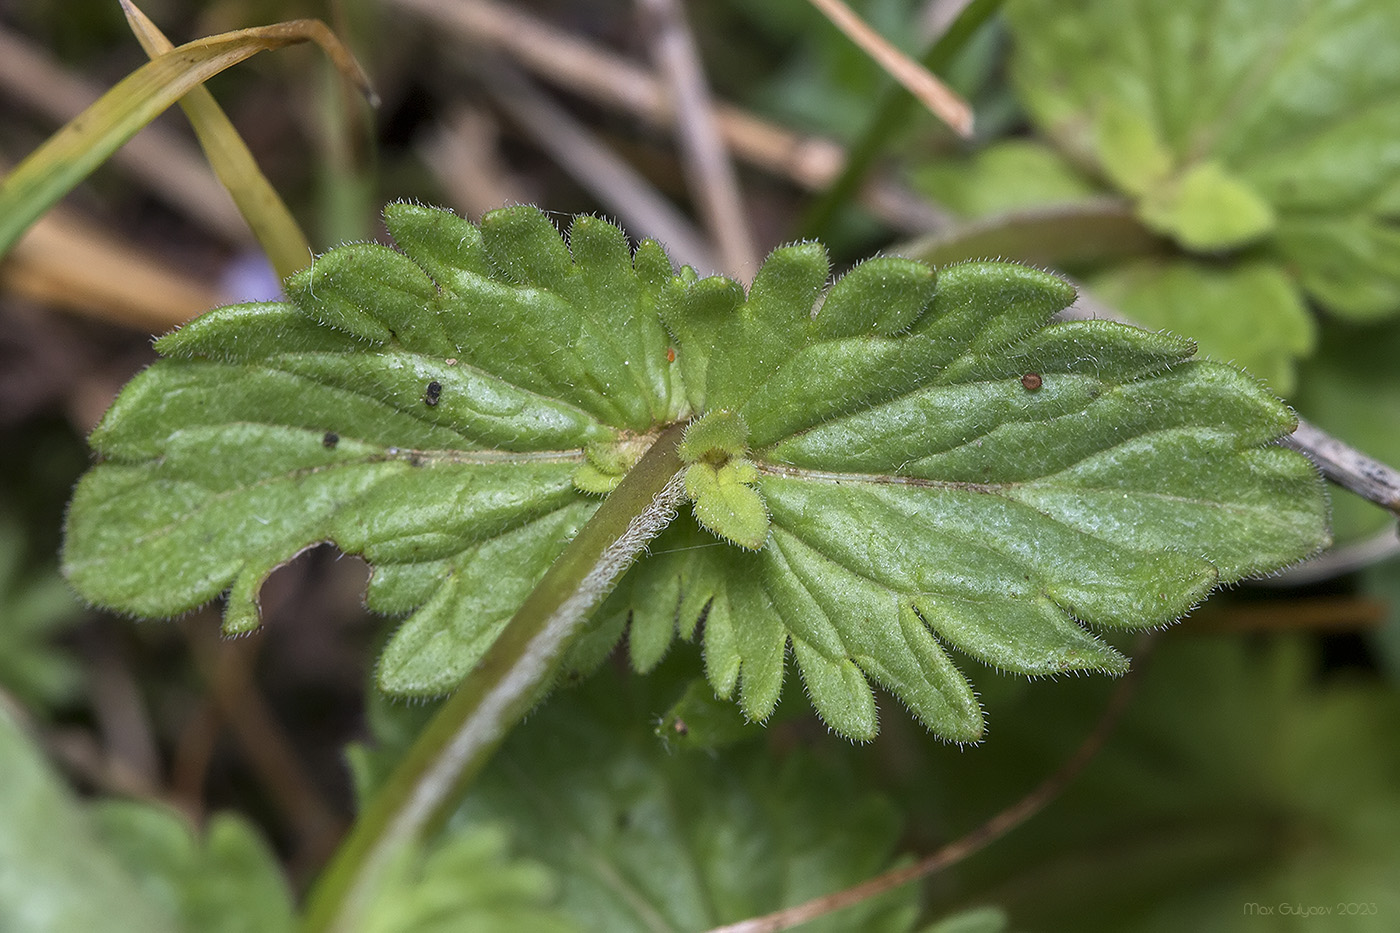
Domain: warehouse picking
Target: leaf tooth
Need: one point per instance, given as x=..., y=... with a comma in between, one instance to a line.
x=525, y=248
x=839, y=691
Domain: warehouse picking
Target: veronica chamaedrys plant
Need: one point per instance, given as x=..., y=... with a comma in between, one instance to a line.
x=883, y=472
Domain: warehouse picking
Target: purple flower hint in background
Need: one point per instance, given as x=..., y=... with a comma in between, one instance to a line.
x=250, y=277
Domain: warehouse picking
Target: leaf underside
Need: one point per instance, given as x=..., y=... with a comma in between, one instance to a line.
x=937, y=467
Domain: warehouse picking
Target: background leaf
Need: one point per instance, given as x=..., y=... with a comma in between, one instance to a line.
x=1267, y=782
x=646, y=839
x=466, y=883
x=34, y=607
x=1235, y=121
x=226, y=882
x=55, y=875
x=1247, y=313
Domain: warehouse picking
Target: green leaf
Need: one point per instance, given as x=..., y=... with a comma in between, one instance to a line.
x=1011, y=175
x=1206, y=209
x=646, y=838
x=1281, y=790
x=699, y=719
x=465, y=883
x=972, y=920
x=227, y=882
x=925, y=492
x=1248, y=314
x=433, y=426
x=1235, y=121
x=919, y=461
x=34, y=606
x=55, y=875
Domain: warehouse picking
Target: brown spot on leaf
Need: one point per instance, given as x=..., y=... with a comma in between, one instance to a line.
x=434, y=392
x=1032, y=381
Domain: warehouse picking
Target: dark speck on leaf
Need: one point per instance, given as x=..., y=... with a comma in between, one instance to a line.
x=434, y=393
x=1031, y=381
x=680, y=727
x=330, y=439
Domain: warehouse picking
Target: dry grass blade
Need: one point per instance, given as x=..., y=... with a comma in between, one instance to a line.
x=164, y=162
x=709, y=172
x=609, y=178
x=73, y=152
x=267, y=214
x=917, y=80
x=64, y=262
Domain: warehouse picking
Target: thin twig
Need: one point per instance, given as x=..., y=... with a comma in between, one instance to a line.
x=617, y=185
x=1320, y=614
x=709, y=173
x=463, y=151
x=585, y=69
x=1339, y=561
x=68, y=262
x=917, y=80
x=1347, y=467
x=996, y=827
x=227, y=668
x=194, y=750
x=123, y=720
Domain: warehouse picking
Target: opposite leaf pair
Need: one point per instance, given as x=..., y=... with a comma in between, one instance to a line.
x=904, y=483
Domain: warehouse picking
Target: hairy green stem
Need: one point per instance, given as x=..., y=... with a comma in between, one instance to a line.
x=458, y=741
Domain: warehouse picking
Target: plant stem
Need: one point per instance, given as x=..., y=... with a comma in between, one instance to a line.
x=458, y=741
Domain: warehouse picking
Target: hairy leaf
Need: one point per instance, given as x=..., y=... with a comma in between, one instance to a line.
x=959, y=475
x=1236, y=121
x=919, y=461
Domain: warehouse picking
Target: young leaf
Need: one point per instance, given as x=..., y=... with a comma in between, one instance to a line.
x=921, y=463
x=1284, y=133
x=34, y=607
